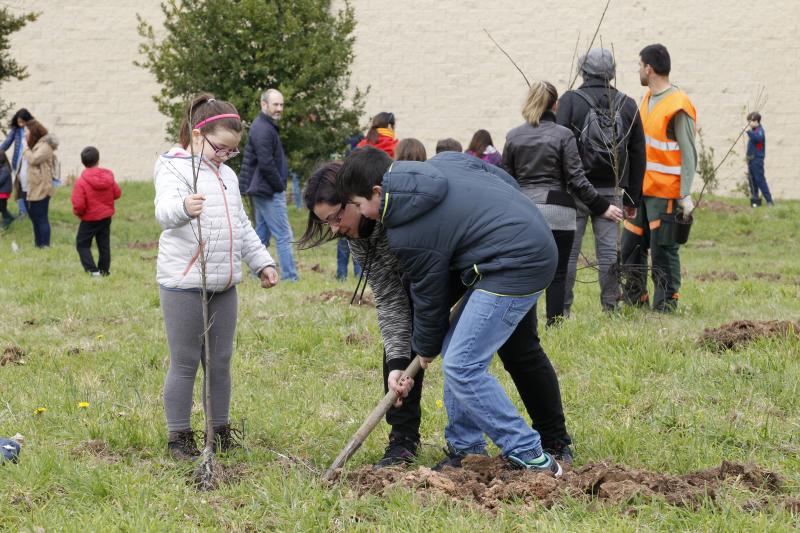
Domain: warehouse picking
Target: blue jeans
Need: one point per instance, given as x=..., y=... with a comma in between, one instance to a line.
x=272, y=218
x=758, y=182
x=37, y=212
x=475, y=401
x=342, y=257
x=297, y=192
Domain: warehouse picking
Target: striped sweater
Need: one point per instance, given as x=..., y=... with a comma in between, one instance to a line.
x=392, y=304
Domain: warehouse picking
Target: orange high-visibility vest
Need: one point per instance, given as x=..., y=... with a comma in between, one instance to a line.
x=662, y=179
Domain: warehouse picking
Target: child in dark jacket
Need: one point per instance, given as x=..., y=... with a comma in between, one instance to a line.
x=93, y=199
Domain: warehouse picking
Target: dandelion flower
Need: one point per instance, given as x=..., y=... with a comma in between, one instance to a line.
x=83, y=405
x=39, y=410
x=101, y=337
x=439, y=404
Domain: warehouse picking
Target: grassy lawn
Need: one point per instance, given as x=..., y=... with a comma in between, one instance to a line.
x=638, y=390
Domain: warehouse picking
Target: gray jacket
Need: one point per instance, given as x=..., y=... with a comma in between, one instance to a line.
x=544, y=160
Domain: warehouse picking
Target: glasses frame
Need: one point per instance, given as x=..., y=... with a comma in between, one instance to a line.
x=222, y=153
x=336, y=218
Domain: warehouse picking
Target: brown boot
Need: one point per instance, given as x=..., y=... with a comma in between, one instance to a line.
x=182, y=446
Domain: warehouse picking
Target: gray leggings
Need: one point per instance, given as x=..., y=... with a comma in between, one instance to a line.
x=183, y=319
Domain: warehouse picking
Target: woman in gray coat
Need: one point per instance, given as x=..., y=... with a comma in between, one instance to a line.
x=543, y=157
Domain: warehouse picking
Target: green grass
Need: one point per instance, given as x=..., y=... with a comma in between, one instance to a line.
x=637, y=389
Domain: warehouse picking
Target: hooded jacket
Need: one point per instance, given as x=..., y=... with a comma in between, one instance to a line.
x=386, y=142
x=94, y=193
x=229, y=237
x=41, y=168
x=444, y=216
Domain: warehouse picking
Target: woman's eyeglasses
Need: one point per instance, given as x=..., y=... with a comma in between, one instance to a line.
x=222, y=153
x=334, y=219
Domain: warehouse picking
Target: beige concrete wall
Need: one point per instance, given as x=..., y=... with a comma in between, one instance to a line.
x=432, y=65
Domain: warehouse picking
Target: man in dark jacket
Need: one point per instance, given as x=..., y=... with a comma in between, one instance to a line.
x=263, y=177
x=756, y=149
x=586, y=111
x=446, y=216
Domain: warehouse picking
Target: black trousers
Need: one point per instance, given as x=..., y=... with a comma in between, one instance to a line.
x=99, y=230
x=535, y=378
x=556, y=292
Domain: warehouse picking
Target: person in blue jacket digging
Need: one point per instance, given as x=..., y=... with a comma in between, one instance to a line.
x=443, y=216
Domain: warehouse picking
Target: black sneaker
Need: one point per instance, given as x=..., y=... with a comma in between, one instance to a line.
x=548, y=464
x=401, y=450
x=453, y=458
x=227, y=439
x=562, y=454
x=182, y=446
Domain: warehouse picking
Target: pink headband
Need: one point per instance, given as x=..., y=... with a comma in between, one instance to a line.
x=215, y=117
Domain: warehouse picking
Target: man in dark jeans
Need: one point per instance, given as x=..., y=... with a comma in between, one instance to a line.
x=610, y=139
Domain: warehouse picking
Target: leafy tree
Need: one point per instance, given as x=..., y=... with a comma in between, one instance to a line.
x=9, y=68
x=237, y=49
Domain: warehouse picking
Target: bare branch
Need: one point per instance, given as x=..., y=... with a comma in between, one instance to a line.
x=508, y=56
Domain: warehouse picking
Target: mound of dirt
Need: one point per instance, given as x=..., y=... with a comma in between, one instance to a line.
x=12, y=354
x=340, y=296
x=722, y=275
x=355, y=337
x=769, y=276
x=721, y=207
x=488, y=483
x=136, y=245
x=730, y=336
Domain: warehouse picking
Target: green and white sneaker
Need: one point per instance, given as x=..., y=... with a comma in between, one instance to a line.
x=543, y=463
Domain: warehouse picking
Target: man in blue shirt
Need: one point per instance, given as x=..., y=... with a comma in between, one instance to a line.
x=756, y=149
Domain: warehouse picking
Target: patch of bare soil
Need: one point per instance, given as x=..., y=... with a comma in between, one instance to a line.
x=730, y=336
x=722, y=275
x=12, y=354
x=355, y=337
x=488, y=483
x=769, y=276
x=340, y=296
x=721, y=207
x=96, y=448
x=136, y=245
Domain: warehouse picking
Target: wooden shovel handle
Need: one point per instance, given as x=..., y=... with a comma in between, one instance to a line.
x=369, y=424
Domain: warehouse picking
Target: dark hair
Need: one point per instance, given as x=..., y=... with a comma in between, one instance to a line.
x=204, y=106
x=448, y=145
x=90, y=156
x=410, y=149
x=362, y=170
x=755, y=115
x=480, y=142
x=657, y=57
x=320, y=188
x=23, y=114
x=37, y=131
x=381, y=120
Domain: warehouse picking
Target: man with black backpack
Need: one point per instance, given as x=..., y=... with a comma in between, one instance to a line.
x=611, y=143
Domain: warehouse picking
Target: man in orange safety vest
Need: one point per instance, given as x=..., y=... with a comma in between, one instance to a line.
x=669, y=120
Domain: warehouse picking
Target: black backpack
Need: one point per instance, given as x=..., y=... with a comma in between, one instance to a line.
x=603, y=129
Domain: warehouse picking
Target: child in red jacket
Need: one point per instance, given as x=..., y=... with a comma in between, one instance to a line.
x=93, y=201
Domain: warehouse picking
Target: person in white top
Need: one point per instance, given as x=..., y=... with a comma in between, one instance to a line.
x=195, y=190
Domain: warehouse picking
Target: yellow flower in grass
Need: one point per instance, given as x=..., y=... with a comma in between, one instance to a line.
x=439, y=404
x=83, y=405
x=101, y=337
x=39, y=410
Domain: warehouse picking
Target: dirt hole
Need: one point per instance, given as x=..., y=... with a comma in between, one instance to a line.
x=137, y=245
x=341, y=296
x=722, y=207
x=735, y=334
x=722, y=275
x=12, y=354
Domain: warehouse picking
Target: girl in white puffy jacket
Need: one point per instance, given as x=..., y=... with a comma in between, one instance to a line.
x=211, y=130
